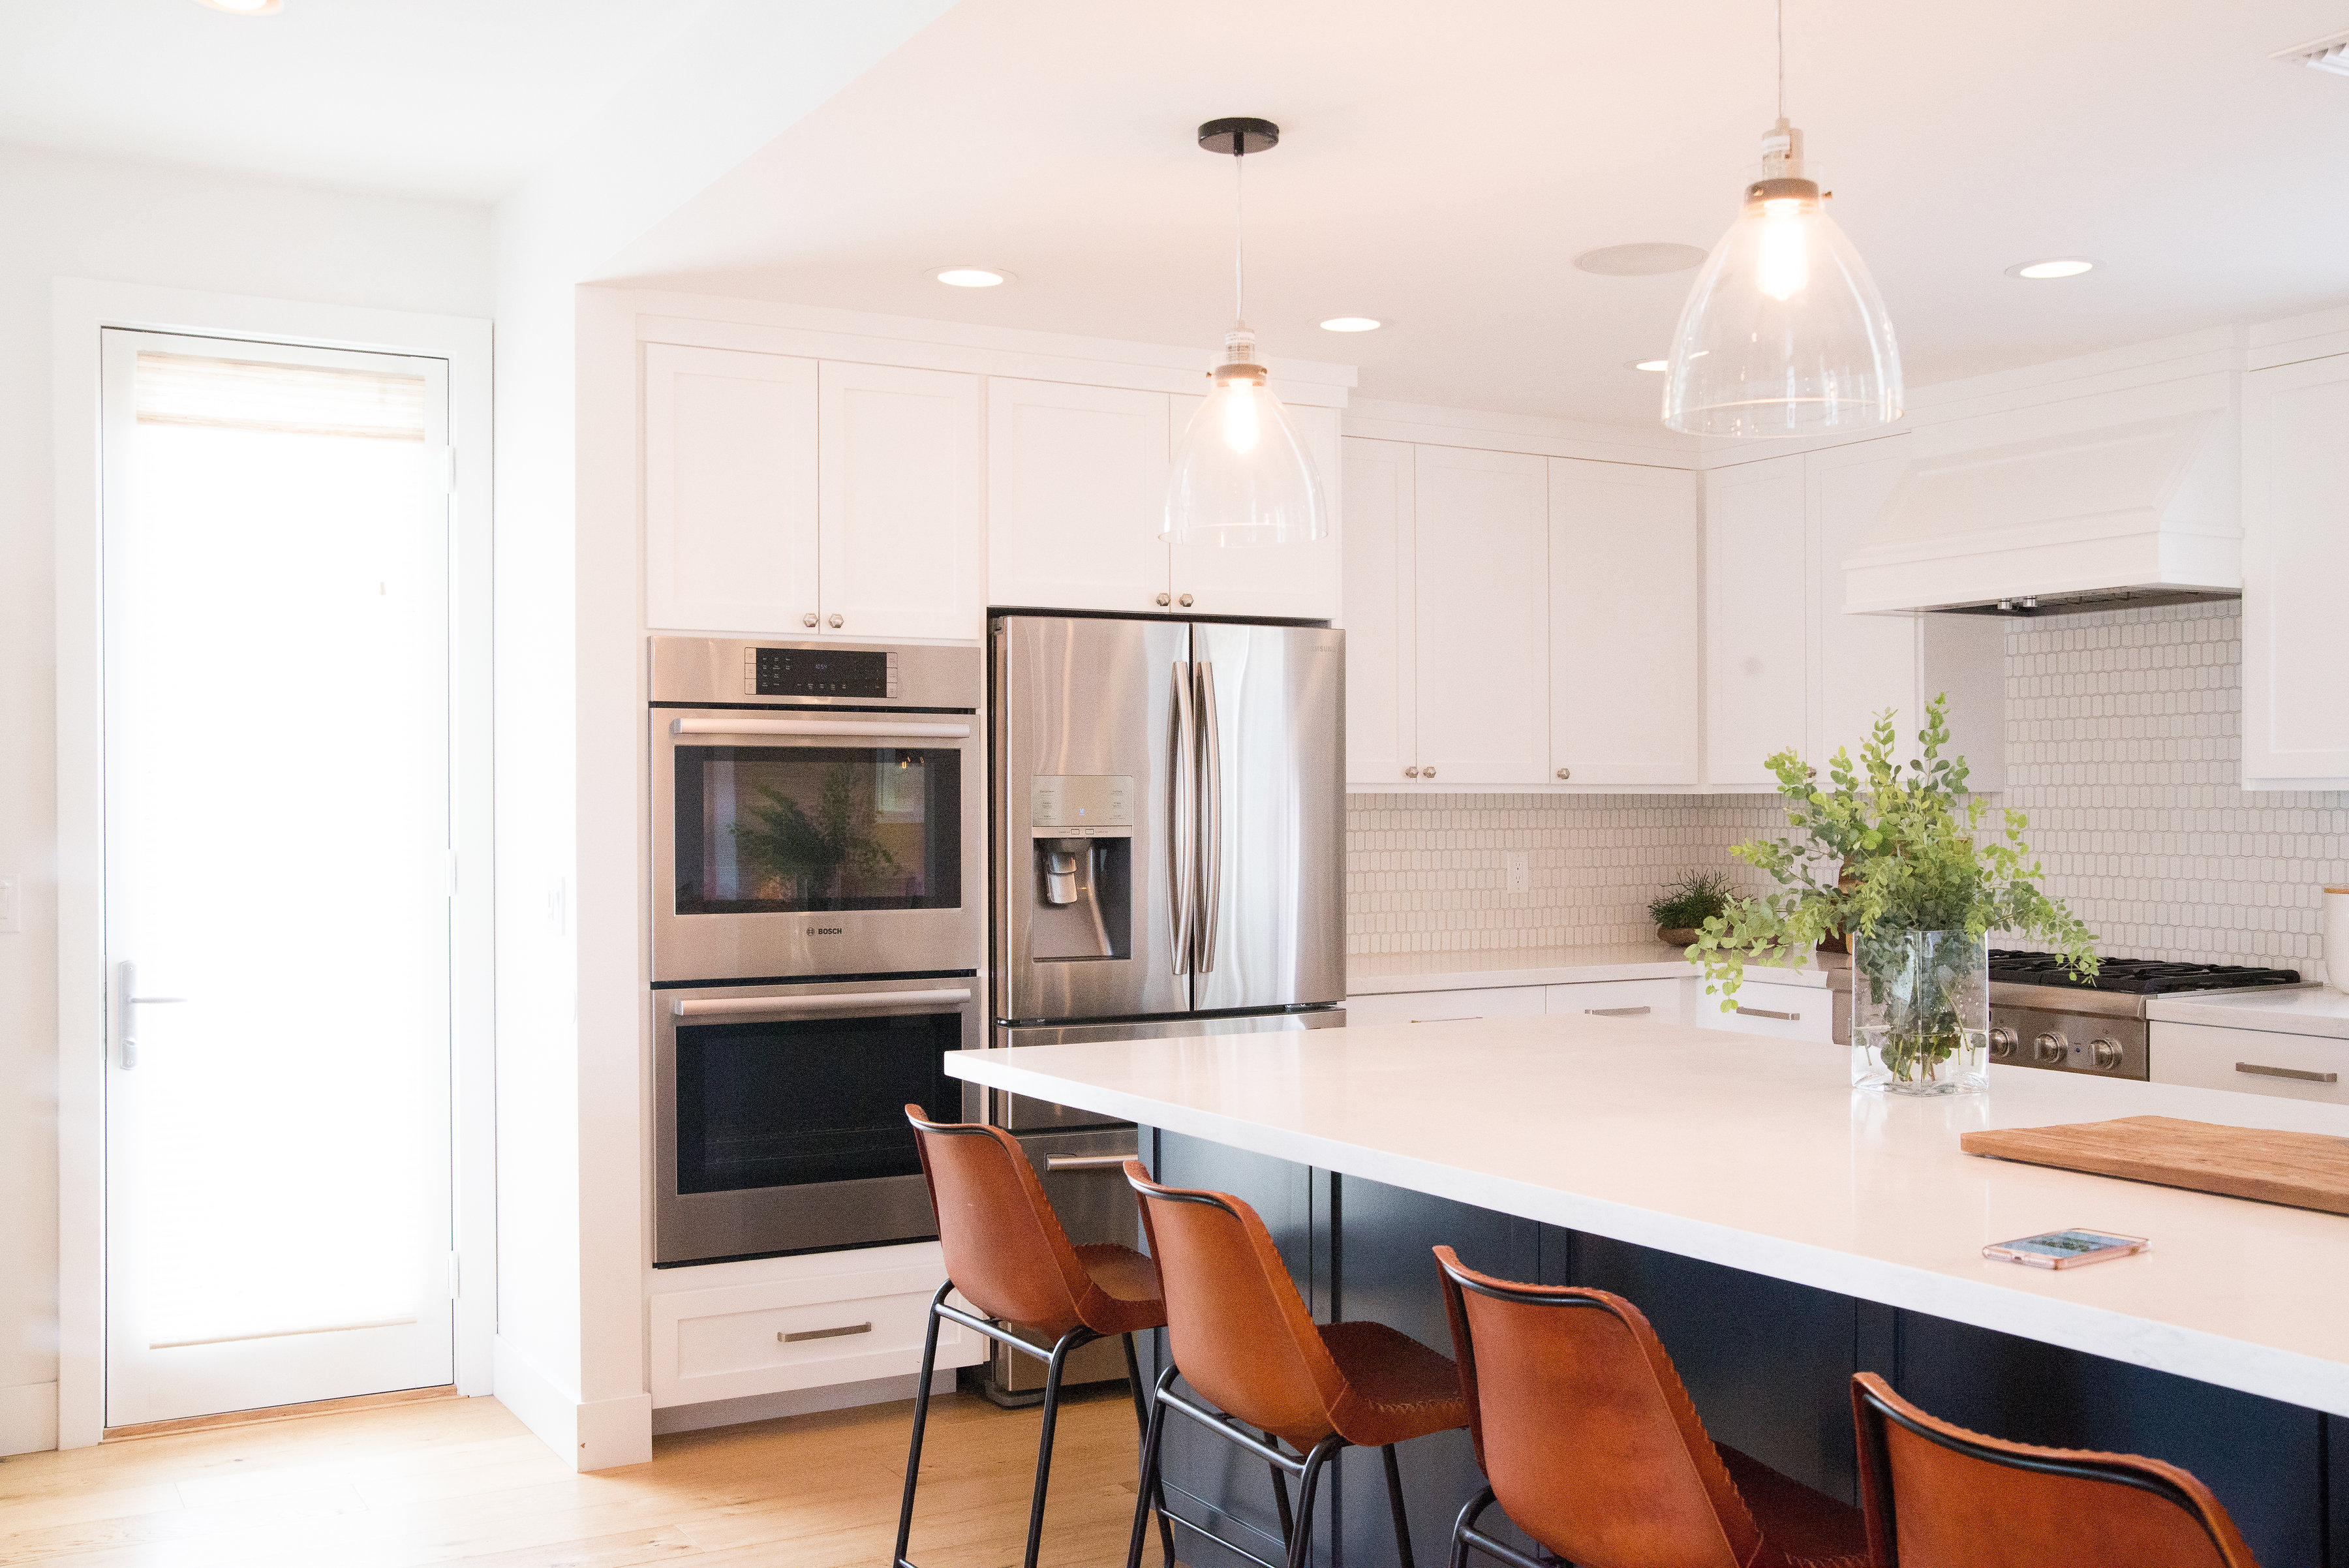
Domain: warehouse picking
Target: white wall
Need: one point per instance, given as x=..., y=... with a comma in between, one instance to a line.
x=131, y=223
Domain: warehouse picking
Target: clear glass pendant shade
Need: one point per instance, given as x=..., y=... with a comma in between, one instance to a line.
x=1783, y=333
x=1241, y=476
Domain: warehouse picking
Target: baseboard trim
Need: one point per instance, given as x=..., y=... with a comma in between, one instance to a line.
x=280, y=1413
x=29, y=1419
x=598, y=1435
x=796, y=1402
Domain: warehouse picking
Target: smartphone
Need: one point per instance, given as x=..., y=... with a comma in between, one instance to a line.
x=2066, y=1248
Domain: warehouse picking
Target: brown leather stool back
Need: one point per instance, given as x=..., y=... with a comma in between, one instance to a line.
x=1005, y=1249
x=1235, y=1322
x=1584, y=1430
x=1938, y=1496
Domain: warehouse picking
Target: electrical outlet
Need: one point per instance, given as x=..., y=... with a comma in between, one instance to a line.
x=1521, y=871
x=12, y=911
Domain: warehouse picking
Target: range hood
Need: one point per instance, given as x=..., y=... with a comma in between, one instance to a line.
x=2087, y=503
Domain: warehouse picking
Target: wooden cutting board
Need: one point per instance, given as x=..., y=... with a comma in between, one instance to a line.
x=2306, y=1170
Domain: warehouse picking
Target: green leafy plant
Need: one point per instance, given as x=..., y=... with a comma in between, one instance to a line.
x=817, y=853
x=1690, y=902
x=1883, y=851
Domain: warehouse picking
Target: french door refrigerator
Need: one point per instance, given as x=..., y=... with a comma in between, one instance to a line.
x=1166, y=833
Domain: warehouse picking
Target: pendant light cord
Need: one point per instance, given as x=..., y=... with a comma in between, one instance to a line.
x=1782, y=59
x=1239, y=234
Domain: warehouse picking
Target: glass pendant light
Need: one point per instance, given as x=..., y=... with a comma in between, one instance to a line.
x=1783, y=333
x=1241, y=476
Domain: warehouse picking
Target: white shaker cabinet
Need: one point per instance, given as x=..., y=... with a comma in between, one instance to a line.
x=730, y=461
x=1076, y=488
x=1757, y=609
x=1480, y=569
x=1294, y=581
x=2295, y=562
x=1626, y=625
x=902, y=503
x=1381, y=735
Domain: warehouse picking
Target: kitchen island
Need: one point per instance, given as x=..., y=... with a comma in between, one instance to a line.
x=1781, y=1230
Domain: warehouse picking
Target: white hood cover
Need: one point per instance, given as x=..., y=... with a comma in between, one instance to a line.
x=2108, y=508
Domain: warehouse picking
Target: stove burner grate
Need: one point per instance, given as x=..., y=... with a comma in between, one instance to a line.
x=2141, y=977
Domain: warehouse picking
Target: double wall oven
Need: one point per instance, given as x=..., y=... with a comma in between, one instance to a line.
x=818, y=913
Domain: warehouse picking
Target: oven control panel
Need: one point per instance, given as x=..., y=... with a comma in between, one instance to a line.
x=819, y=672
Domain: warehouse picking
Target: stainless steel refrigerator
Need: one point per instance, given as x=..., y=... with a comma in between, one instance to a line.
x=1166, y=848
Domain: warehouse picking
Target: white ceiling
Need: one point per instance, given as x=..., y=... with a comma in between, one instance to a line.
x=1444, y=164
x=448, y=97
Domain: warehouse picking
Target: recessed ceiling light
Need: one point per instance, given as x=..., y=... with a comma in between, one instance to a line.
x=1647, y=364
x=2054, y=266
x=1352, y=323
x=970, y=276
x=1649, y=258
x=245, y=7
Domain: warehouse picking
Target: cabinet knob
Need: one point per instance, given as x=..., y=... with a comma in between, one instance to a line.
x=835, y=623
x=1427, y=773
x=1164, y=600
x=1184, y=601
x=1566, y=773
x=1410, y=773
x=808, y=619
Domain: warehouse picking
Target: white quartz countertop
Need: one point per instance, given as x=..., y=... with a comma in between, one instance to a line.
x=1376, y=973
x=2303, y=1010
x=1756, y=1154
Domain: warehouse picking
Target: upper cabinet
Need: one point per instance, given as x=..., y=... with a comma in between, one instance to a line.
x=787, y=497
x=1626, y=625
x=1757, y=614
x=1481, y=587
x=1076, y=486
x=1380, y=672
x=2295, y=558
x=1298, y=582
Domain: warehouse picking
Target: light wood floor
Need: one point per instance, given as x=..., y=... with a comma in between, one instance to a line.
x=461, y=1481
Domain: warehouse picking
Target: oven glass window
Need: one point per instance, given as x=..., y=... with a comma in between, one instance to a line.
x=778, y=829
x=785, y=1103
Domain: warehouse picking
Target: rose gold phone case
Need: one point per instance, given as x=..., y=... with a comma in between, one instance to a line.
x=2004, y=1250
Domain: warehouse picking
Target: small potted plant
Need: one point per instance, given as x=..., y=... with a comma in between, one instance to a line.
x=1686, y=905
x=1899, y=858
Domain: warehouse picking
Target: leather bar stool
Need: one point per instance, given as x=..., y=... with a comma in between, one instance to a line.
x=1593, y=1447
x=1938, y=1496
x=1006, y=1252
x=1241, y=1337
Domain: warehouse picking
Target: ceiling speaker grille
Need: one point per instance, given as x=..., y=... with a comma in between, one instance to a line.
x=2327, y=54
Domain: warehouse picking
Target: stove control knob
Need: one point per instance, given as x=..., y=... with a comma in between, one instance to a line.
x=2002, y=1043
x=2107, y=1053
x=2048, y=1050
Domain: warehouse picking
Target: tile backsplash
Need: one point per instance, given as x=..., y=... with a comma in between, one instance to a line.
x=2124, y=744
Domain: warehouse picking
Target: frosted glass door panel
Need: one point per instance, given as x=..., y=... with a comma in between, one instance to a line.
x=277, y=862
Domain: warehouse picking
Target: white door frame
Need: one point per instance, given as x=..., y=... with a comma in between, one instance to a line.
x=80, y=310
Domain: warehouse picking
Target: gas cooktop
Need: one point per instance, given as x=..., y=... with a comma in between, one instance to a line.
x=2138, y=977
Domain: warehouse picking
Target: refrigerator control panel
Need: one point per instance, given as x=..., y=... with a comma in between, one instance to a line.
x=1080, y=805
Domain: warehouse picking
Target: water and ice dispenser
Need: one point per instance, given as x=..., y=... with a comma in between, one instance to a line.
x=1081, y=873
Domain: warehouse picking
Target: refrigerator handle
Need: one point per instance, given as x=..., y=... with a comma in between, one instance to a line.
x=1182, y=819
x=1211, y=776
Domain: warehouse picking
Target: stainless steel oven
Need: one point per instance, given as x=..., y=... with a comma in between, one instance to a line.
x=818, y=809
x=780, y=1112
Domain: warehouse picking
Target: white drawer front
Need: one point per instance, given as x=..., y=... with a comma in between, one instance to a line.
x=1648, y=1001
x=2205, y=1057
x=1433, y=1006
x=1780, y=1011
x=737, y=1340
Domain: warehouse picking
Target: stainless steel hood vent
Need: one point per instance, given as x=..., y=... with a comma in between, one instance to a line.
x=2094, y=599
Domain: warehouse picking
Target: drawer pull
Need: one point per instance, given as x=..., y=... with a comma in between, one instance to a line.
x=825, y=1333
x=1617, y=1011
x=1745, y=1012
x=2302, y=1074
x=1085, y=1162
x=1470, y=1018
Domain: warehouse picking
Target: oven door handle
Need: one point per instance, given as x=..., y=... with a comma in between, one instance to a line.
x=894, y=729
x=820, y=1002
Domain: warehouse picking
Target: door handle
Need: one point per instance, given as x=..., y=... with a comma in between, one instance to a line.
x=1211, y=770
x=805, y=1333
x=1181, y=811
x=2300, y=1074
x=130, y=999
x=1617, y=1011
x=894, y=729
x=820, y=1002
x=1085, y=1162
x=1743, y=1012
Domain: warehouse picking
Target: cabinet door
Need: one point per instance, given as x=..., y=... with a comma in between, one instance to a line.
x=1296, y=581
x=1481, y=590
x=1756, y=608
x=1626, y=624
x=2295, y=559
x=2249, y=1061
x=1862, y=664
x=1076, y=492
x=1379, y=677
x=902, y=520
x=730, y=491
x=1442, y=1006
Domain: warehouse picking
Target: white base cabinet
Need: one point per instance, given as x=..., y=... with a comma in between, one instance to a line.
x=1443, y=1006
x=2251, y=1061
x=1647, y=1000
x=1776, y=1012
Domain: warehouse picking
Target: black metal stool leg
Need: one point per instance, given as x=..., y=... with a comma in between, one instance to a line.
x=921, y=1419
x=1142, y=1420
x=1280, y=1496
x=1068, y=1341
x=1467, y=1524
x=1394, y=1505
x=1149, y=1486
x=1300, y=1547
